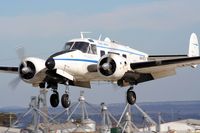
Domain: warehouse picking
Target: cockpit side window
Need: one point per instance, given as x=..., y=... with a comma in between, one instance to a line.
x=68, y=45
x=93, y=49
x=82, y=46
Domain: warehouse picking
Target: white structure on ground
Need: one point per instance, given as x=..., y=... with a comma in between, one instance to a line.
x=182, y=126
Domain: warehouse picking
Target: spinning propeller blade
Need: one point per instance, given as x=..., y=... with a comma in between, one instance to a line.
x=21, y=55
x=14, y=83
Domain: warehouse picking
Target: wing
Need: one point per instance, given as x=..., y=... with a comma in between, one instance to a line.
x=157, y=65
x=164, y=57
x=150, y=70
x=9, y=69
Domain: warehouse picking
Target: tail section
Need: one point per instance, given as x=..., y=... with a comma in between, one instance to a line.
x=193, y=47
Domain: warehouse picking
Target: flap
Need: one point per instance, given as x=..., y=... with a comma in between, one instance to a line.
x=64, y=74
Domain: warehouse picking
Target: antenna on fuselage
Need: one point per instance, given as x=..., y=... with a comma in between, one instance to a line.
x=100, y=37
x=82, y=34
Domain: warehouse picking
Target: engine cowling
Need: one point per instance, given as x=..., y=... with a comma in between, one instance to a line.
x=30, y=70
x=112, y=66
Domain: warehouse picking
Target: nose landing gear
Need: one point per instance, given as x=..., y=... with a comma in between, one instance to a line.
x=131, y=96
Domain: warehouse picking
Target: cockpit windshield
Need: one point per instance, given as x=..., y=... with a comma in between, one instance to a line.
x=82, y=46
x=68, y=45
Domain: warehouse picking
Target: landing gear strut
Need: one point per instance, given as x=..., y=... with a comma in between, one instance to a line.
x=131, y=96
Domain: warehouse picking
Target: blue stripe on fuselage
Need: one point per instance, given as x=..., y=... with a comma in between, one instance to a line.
x=81, y=60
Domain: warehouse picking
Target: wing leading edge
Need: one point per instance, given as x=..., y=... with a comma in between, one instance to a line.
x=9, y=69
x=157, y=65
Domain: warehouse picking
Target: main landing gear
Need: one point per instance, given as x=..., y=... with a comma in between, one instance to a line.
x=65, y=97
x=54, y=98
x=131, y=96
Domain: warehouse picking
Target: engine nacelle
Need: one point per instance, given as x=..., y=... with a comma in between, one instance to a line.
x=112, y=66
x=30, y=70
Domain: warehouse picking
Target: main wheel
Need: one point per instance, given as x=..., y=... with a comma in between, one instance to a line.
x=131, y=97
x=54, y=99
x=65, y=101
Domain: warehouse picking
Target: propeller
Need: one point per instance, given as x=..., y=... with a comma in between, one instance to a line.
x=107, y=66
x=21, y=55
x=110, y=64
x=14, y=83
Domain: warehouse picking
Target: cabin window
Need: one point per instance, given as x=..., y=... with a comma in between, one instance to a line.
x=124, y=55
x=102, y=53
x=113, y=53
x=82, y=46
x=68, y=45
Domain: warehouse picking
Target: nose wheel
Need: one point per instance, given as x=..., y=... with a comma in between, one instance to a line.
x=131, y=96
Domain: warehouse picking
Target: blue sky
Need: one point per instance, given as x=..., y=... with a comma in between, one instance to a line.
x=155, y=27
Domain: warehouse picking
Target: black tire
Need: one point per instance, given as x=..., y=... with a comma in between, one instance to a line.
x=131, y=97
x=65, y=101
x=54, y=99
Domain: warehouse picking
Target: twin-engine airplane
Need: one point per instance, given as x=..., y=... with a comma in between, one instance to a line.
x=84, y=60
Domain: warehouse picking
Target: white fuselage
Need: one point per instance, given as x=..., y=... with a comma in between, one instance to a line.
x=75, y=63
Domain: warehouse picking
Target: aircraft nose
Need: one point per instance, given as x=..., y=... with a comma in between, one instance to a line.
x=50, y=63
